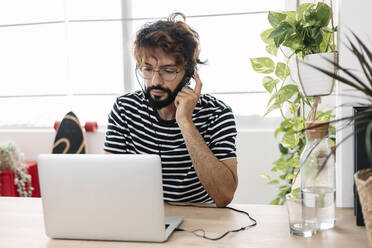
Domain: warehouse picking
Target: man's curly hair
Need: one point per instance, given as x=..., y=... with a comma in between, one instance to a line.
x=174, y=37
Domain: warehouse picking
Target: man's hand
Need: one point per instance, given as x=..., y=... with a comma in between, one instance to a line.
x=218, y=178
x=186, y=101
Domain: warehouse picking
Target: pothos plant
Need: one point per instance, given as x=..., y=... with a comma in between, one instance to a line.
x=304, y=31
x=293, y=107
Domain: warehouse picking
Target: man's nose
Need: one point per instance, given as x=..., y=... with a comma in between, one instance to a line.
x=156, y=78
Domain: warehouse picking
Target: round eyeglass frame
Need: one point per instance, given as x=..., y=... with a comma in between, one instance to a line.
x=160, y=74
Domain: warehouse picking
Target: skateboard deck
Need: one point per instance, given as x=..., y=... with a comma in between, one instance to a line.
x=70, y=136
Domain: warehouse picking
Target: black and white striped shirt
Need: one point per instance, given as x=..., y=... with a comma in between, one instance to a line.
x=135, y=128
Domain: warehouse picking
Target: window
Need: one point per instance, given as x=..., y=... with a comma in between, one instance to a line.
x=64, y=55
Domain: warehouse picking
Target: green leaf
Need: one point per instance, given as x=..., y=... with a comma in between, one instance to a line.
x=284, y=191
x=272, y=49
x=285, y=93
x=302, y=9
x=290, y=176
x=294, y=162
x=265, y=176
x=318, y=17
x=282, y=71
x=296, y=190
x=263, y=65
x=280, y=165
x=280, y=31
x=332, y=130
x=323, y=14
x=294, y=42
x=277, y=131
x=279, y=40
x=265, y=34
x=282, y=149
x=275, y=18
x=293, y=109
x=300, y=123
x=269, y=83
x=290, y=140
x=291, y=17
x=287, y=157
x=324, y=116
x=273, y=96
x=271, y=108
x=287, y=124
x=284, y=188
x=331, y=143
x=275, y=201
x=275, y=181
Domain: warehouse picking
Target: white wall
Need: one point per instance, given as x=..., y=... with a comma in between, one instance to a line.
x=34, y=142
x=256, y=151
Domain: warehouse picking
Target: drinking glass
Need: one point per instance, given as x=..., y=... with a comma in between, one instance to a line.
x=298, y=213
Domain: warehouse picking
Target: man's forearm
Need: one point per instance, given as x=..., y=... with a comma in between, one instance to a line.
x=218, y=179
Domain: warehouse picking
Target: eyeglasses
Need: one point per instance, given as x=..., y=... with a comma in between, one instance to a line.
x=166, y=74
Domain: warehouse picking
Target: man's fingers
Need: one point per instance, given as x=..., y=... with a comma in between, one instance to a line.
x=186, y=89
x=199, y=84
x=182, y=93
x=176, y=101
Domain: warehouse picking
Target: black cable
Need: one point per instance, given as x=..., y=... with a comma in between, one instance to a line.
x=202, y=235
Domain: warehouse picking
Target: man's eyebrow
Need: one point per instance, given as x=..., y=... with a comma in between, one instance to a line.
x=168, y=65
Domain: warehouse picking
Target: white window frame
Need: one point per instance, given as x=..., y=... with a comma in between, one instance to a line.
x=129, y=79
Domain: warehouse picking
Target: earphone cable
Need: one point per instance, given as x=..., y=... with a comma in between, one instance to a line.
x=201, y=232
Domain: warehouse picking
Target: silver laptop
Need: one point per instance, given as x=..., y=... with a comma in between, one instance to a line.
x=104, y=197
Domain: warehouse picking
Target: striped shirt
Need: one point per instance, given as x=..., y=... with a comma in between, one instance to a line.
x=135, y=128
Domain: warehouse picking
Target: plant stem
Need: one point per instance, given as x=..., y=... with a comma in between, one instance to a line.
x=303, y=109
x=294, y=179
x=328, y=45
x=332, y=24
x=281, y=112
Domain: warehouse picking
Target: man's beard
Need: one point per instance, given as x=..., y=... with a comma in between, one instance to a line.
x=155, y=101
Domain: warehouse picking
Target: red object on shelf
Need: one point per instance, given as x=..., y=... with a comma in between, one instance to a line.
x=56, y=125
x=91, y=126
x=7, y=187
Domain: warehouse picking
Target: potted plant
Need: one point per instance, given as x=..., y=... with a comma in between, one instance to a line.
x=291, y=29
x=307, y=35
x=11, y=159
x=363, y=178
x=292, y=104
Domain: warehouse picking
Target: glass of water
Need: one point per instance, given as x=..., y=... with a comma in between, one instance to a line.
x=298, y=213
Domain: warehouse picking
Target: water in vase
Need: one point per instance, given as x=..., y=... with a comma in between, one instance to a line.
x=321, y=200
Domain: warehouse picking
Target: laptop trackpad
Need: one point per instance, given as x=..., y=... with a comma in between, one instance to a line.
x=171, y=223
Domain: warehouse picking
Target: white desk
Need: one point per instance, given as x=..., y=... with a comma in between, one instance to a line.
x=21, y=226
